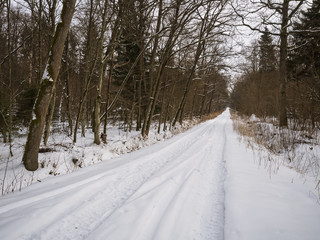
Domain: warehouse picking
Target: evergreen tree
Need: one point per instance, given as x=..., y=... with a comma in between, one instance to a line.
x=267, y=57
x=127, y=50
x=304, y=64
x=305, y=57
x=132, y=42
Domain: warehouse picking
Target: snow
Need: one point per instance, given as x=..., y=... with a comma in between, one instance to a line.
x=201, y=184
x=263, y=205
x=33, y=116
x=46, y=74
x=253, y=118
x=61, y=156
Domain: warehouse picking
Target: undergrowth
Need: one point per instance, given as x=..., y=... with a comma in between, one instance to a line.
x=297, y=147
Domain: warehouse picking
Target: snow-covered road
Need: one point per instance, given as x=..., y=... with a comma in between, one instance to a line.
x=171, y=190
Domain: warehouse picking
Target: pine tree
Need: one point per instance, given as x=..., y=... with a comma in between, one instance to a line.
x=267, y=57
x=127, y=50
x=304, y=63
x=305, y=58
x=132, y=42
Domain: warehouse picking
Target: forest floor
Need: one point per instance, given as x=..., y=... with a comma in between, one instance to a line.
x=200, y=184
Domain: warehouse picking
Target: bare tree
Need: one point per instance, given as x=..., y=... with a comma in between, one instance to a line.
x=67, y=91
x=89, y=66
x=209, y=21
x=182, y=13
x=9, y=124
x=48, y=81
x=101, y=75
x=53, y=98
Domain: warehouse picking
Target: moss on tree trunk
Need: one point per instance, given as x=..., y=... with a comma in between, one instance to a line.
x=30, y=156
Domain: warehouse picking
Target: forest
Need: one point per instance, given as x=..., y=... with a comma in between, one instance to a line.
x=79, y=65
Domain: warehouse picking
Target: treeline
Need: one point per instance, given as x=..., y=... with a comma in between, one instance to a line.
x=134, y=60
x=258, y=89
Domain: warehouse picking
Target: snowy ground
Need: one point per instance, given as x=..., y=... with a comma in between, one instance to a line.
x=267, y=201
x=61, y=156
x=201, y=184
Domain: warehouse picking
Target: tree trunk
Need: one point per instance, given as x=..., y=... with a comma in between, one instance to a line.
x=40, y=41
x=88, y=72
x=283, y=121
x=203, y=102
x=167, y=108
x=30, y=156
x=193, y=102
x=49, y=117
x=154, y=50
x=138, y=127
x=172, y=38
x=104, y=136
x=162, y=107
x=67, y=89
x=210, y=102
x=97, y=108
x=10, y=78
x=179, y=113
x=32, y=51
x=3, y=122
x=133, y=103
x=200, y=47
x=142, y=79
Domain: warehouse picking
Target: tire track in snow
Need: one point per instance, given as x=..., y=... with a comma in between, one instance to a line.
x=164, y=195
x=121, y=185
x=74, y=211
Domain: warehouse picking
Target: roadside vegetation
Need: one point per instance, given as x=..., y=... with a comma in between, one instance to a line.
x=296, y=147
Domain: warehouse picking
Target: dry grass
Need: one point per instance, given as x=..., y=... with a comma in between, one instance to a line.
x=296, y=147
x=210, y=116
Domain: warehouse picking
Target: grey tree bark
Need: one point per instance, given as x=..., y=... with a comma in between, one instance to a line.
x=207, y=24
x=53, y=98
x=10, y=77
x=164, y=59
x=180, y=18
x=97, y=108
x=88, y=73
x=67, y=88
x=286, y=17
x=283, y=120
x=49, y=117
x=48, y=81
x=104, y=135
